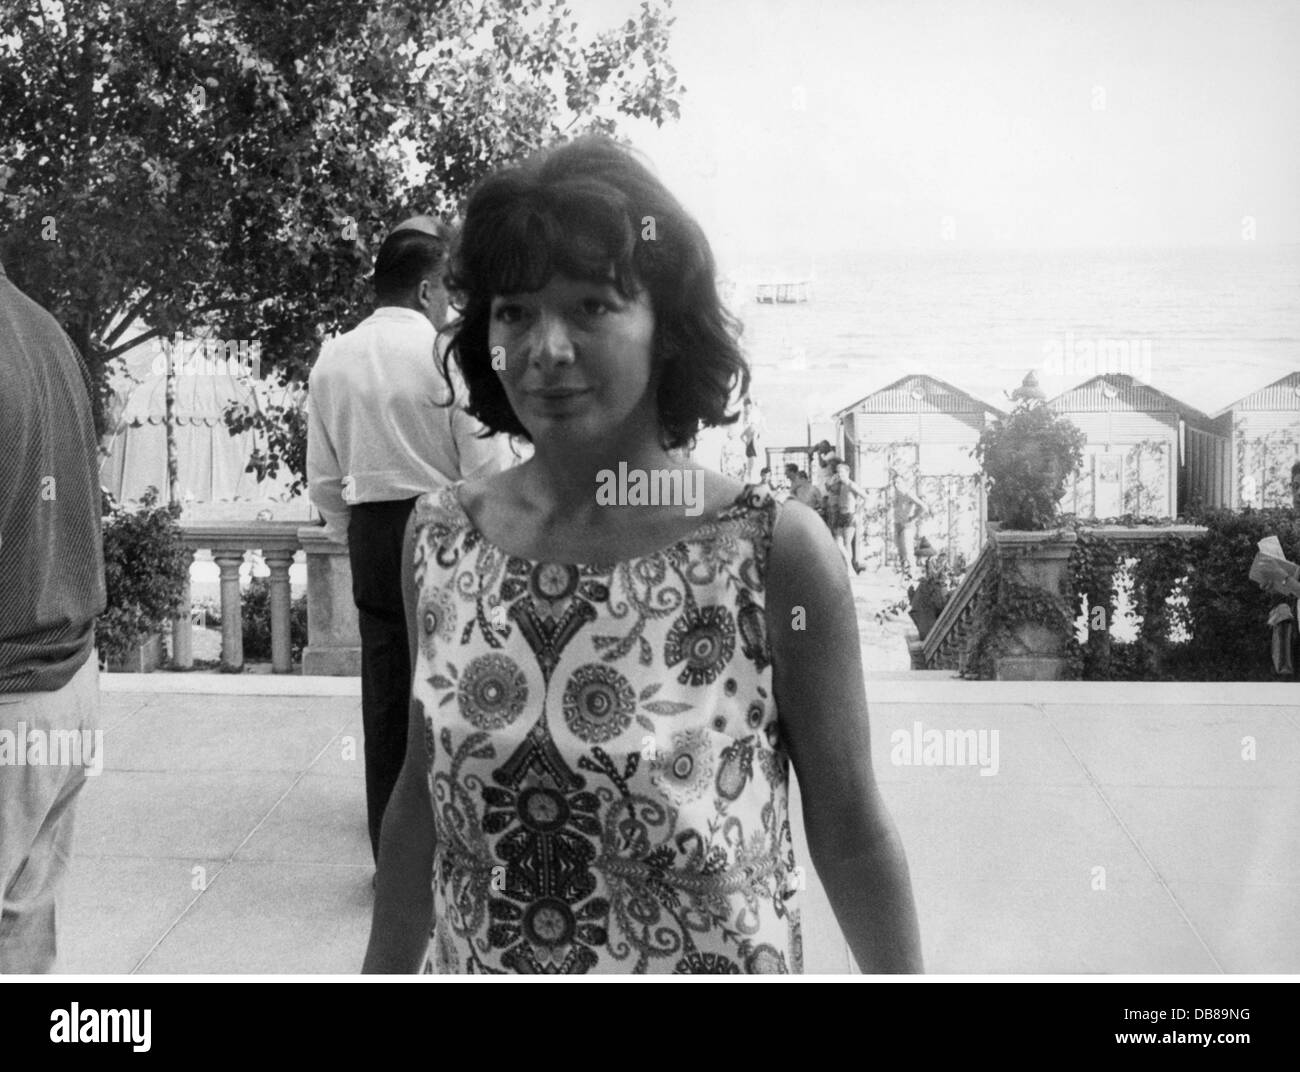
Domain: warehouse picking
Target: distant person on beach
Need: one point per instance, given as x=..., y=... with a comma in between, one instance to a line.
x=824, y=454
x=1284, y=618
x=51, y=592
x=751, y=428
x=380, y=433
x=845, y=497
x=801, y=488
x=609, y=697
x=908, y=511
x=732, y=461
x=822, y=473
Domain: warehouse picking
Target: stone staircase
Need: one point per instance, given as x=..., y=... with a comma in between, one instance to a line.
x=946, y=645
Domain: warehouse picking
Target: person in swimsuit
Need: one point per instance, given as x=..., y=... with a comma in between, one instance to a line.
x=611, y=683
x=845, y=497
x=908, y=513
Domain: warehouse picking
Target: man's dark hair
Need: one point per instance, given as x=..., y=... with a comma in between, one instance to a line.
x=589, y=210
x=1295, y=469
x=406, y=257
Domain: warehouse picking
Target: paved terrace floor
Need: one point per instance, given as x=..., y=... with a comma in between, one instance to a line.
x=1124, y=830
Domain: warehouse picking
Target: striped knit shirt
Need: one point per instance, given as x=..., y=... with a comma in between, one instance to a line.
x=51, y=550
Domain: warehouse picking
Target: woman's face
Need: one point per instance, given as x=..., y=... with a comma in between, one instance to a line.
x=577, y=360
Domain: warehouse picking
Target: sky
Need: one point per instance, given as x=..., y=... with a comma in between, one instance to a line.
x=1003, y=124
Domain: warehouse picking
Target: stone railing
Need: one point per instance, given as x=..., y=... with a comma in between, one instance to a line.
x=1037, y=559
x=333, y=640
x=944, y=647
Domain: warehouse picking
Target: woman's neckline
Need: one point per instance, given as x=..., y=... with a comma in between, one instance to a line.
x=738, y=503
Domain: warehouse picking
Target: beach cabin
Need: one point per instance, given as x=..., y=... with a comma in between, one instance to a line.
x=1263, y=430
x=924, y=429
x=1136, y=460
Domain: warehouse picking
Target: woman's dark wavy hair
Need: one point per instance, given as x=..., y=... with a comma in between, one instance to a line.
x=581, y=209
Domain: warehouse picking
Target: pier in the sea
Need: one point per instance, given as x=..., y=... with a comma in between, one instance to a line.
x=783, y=293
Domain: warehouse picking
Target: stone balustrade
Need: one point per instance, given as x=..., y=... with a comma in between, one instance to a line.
x=333, y=644
x=1036, y=559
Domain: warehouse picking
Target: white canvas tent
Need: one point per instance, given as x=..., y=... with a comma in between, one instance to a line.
x=210, y=460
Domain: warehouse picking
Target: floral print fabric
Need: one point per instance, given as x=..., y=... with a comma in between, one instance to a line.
x=608, y=781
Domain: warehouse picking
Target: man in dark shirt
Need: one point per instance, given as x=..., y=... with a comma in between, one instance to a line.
x=51, y=590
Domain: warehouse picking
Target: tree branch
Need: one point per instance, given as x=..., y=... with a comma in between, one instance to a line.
x=139, y=340
x=155, y=333
x=128, y=318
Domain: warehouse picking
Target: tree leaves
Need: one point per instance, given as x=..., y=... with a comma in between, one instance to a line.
x=196, y=160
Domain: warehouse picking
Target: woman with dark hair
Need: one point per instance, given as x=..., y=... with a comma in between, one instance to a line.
x=618, y=655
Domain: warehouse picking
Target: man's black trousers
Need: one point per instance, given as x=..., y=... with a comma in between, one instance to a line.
x=375, y=532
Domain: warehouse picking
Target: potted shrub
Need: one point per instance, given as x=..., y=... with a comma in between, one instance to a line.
x=1026, y=458
x=145, y=569
x=1025, y=628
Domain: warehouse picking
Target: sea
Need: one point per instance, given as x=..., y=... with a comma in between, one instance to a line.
x=1206, y=325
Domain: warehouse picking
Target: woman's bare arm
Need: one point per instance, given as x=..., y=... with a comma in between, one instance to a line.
x=823, y=711
x=399, y=929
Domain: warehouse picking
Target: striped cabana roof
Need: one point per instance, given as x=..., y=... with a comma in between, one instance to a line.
x=939, y=397
x=1112, y=391
x=1283, y=394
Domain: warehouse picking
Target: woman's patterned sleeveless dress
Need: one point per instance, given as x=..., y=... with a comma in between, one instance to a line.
x=608, y=782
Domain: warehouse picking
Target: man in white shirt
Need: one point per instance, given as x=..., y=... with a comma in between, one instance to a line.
x=379, y=435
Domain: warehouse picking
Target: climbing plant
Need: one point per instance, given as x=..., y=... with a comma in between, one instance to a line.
x=1200, y=617
x=1007, y=604
x=1264, y=465
x=1146, y=476
x=1094, y=580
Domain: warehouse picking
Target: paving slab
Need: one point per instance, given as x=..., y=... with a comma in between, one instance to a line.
x=1182, y=746
x=345, y=755
x=321, y=820
x=1022, y=926
x=259, y=733
x=1250, y=927
x=272, y=918
x=116, y=707
x=1220, y=834
x=116, y=908
x=917, y=743
x=183, y=815
x=987, y=833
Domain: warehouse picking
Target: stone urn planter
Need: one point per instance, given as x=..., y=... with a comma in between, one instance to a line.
x=144, y=658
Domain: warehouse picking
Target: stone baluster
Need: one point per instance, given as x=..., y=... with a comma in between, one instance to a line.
x=229, y=559
x=182, y=635
x=278, y=562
